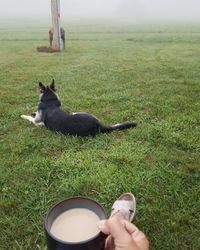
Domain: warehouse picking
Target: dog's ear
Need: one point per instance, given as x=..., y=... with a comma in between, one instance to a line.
x=41, y=87
x=52, y=85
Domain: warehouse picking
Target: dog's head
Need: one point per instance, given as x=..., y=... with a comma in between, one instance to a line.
x=48, y=93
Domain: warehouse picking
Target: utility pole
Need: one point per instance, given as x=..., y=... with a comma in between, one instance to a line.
x=55, y=13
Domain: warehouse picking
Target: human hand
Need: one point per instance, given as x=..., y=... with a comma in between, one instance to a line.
x=123, y=235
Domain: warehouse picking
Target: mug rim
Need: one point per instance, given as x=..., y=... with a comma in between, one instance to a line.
x=73, y=198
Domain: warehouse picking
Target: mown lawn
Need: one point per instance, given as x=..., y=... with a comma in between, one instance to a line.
x=145, y=73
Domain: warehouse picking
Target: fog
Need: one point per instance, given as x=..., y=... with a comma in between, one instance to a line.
x=105, y=9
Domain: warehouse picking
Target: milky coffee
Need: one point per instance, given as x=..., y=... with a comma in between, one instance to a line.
x=75, y=225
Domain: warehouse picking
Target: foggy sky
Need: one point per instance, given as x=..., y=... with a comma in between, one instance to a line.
x=114, y=9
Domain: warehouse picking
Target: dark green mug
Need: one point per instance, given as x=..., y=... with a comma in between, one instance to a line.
x=97, y=242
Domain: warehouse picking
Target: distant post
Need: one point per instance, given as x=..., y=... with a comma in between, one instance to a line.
x=55, y=13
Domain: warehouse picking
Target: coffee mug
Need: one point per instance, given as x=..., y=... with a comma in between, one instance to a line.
x=72, y=225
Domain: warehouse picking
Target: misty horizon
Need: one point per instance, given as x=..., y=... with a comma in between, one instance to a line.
x=103, y=9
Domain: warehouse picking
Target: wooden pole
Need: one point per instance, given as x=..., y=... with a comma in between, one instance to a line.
x=55, y=13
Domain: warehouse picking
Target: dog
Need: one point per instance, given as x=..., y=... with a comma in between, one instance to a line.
x=50, y=115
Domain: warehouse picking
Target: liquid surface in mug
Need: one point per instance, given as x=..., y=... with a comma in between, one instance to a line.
x=75, y=225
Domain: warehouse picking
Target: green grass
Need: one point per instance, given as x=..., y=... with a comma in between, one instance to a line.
x=119, y=73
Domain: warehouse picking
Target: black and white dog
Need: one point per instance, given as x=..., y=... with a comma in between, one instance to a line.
x=54, y=118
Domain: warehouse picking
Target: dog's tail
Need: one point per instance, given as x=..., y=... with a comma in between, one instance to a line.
x=119, y=126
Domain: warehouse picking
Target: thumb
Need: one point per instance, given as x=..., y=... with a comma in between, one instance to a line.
x=103, y=226
x=116, y=227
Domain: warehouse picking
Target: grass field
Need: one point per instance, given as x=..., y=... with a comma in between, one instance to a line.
x=146, y=73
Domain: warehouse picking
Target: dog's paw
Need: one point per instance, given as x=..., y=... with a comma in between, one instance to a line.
x=24, y=117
